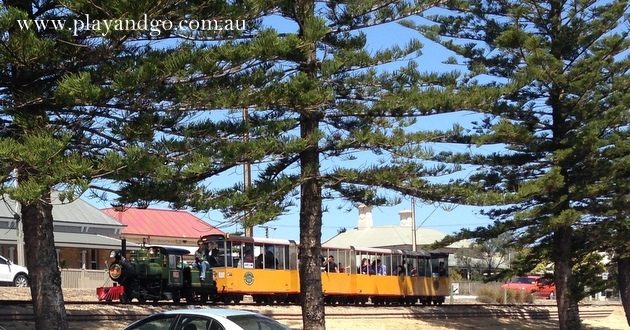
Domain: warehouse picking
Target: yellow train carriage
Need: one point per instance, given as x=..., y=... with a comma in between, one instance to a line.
x=385, y=276
x=261, y=267
x=267, y=269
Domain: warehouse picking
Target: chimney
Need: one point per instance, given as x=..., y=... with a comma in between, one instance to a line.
x=405, y=218
x=365, y=216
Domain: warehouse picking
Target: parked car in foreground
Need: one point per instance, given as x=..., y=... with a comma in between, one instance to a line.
x=542, y=287
x=207, y=319
x=12, y=274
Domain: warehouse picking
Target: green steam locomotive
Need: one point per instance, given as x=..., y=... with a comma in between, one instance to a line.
x=157, y=273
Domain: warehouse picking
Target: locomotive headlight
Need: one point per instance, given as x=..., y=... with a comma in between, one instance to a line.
x=115, y=270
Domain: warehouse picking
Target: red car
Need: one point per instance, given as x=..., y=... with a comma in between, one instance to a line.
x=542, y=287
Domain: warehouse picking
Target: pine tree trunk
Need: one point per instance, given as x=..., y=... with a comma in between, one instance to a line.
x=313, y=317
x=623, y=279
x=310, y=229
x=44, y=275
x=568, y=311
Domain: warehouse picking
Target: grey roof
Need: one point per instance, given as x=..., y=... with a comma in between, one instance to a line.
x=386, y=236
x=79, y=212
x=92, y=241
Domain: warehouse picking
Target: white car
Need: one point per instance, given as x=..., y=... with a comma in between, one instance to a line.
x=12, y=273
x=207, y=319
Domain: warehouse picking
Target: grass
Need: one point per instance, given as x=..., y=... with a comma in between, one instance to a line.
x=495, y=295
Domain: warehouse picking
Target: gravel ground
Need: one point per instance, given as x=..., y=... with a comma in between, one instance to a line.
x=614, y=321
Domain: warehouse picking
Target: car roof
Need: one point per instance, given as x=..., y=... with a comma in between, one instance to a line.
x=223, y=312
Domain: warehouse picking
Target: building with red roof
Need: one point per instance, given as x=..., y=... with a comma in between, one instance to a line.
x=160, y=226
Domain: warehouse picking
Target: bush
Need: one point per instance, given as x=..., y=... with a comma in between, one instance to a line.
x=495, y=295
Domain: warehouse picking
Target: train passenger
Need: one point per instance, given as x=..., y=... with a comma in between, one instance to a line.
x=259, y=262
x=365, y=267
x=401, y=270
x=248, y=259
x=331, y=266
x=379, y=268
x=200, y=260
x=413, y=271
x=213, y=258
x=270, y=261
x=341, y=269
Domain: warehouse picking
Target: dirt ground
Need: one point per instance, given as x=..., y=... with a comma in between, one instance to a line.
x=616, y=320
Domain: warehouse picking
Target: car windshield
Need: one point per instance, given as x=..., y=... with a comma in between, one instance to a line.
x=256, y=322
x=524, y=280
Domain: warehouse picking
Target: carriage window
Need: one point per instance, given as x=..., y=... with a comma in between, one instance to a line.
x=335, y=254
x=281, y=253
x=414, y=266
x=228, y=254
x=237, y=252
x=269, y=258
x=386, y=263
x=343, y=261
x=440, y=266
x=351, y=267
x=427, y=267
x=420, y=267
x=378, y=266
x=361, y=258
x=248, y=255
x=259, y=253
x=216, y=254
x=398, y=265
x=367, y=263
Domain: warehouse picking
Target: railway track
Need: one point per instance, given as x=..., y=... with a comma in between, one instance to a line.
x=91, y=312
x=245, y=303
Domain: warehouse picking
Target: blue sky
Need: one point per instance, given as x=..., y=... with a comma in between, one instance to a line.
x=342, y=214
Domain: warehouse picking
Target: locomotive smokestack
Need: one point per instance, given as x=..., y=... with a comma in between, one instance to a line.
x=123, y=250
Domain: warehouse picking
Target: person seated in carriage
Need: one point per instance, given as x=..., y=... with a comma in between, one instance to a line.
x=200, y=260
x=213, y=258
x=330, y=265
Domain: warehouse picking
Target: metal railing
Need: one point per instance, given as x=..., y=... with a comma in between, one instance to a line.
x=84, y=278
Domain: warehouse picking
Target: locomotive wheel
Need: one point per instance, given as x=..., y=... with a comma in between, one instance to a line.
x=124, y=299
x=203, y=298
x=142, y=299
x=189, y=296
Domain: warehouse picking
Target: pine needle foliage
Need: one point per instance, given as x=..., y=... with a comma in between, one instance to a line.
x=90, y=109
x=562, y=71
x=325, y=120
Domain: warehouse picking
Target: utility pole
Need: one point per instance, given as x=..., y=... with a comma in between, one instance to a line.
x=247, y=174
x=267, y=230
x=413, y=225
x=18, y=224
